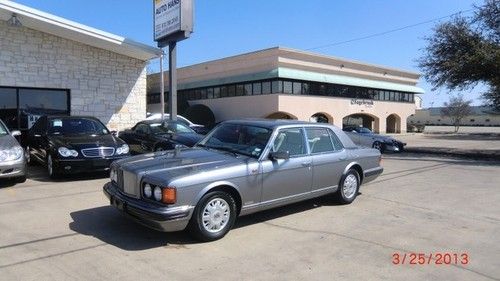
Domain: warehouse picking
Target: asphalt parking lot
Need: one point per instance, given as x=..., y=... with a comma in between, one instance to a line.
x=66, y=230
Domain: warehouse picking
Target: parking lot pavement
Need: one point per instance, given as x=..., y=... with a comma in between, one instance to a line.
x=66, y=230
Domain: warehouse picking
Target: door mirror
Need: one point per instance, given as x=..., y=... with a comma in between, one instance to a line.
x=114, y=133
x=354, y=131
x=279, y=155
x=15, y=133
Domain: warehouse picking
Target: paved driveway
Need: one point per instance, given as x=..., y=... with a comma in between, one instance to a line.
x=66, y=230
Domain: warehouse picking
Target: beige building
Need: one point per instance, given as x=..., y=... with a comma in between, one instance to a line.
x=480, y=116
x=286, y=83
x=50, y=65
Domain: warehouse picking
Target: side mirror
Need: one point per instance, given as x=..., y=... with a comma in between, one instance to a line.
x=354, y=131
x=279, y=155
x=114, y=133
x=15, y=133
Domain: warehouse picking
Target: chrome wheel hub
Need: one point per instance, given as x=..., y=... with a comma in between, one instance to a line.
x=215, y=215
x=350, y=186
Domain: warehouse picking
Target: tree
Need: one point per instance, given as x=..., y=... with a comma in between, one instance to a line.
x=466, y=51
x=456, y=109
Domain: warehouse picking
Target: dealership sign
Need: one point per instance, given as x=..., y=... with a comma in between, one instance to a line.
x=367, y=103
x=173, y=20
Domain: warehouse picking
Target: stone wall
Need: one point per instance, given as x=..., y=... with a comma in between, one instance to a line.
x=107, y=85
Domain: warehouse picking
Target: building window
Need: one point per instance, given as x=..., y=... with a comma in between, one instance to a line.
x=248, y=89
x=277, y=86
x=472, y=120
x=297, y=88
x=290, y=87
x=487, y=120
x=266, y=87
x=287, y=87
x=257, y=90
x=21, y=107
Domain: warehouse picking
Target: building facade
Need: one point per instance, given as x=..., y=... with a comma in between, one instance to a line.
x=50, y=65
x=480, y=116
x=286, y=83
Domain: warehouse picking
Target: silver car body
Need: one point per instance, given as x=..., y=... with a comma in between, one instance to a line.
x=256, y=183
x=12, y=168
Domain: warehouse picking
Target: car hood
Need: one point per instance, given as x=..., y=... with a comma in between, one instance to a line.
x=185, y=162
x=8, y=142
x=85, y=141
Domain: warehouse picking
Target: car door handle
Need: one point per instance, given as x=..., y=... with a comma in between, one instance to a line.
x=306, y=164
x=343, y=158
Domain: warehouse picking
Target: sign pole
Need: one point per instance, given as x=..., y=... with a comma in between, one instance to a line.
x=172, y=79
x=162, y=87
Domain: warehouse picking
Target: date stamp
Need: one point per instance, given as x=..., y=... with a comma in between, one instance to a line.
x=438, y=258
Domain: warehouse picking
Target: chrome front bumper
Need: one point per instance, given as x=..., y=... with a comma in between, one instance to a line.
x=167, y=219
x=13, y=169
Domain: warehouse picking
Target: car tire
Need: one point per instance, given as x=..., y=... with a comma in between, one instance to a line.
x=21, y=179
x=50, y=168
x=213, y=216
x=348, y=187
x=379, y=146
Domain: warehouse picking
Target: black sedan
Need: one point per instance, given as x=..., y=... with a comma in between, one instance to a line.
x=155, y=135
x=73, y=144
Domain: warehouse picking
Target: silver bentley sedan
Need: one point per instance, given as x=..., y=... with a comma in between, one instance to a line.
x=240, y=167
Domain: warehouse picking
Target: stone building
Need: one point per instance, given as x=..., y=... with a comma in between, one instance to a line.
x=50, y=65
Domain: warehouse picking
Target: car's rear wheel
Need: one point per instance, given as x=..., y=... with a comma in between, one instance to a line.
x=348, y=187
x=213, y=216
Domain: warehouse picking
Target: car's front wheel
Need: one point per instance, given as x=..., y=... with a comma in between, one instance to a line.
x=349, y=187
x=213, y=217
x=50, y=167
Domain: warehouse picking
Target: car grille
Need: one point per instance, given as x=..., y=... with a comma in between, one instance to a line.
x=127, y=183
x=98, y=152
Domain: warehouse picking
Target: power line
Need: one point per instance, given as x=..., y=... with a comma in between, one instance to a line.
x=388, y=31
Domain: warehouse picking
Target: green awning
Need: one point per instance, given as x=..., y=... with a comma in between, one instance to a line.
x=289, y=73
x=345, y=80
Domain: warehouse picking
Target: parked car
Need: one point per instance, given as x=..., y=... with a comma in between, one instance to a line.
x=12, y=157
x=155, y=135
x=198, y=128
x=73, y=144
x=239, y=168
x=365, y=137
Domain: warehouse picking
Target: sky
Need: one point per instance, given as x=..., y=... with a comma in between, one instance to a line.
x=224, y=28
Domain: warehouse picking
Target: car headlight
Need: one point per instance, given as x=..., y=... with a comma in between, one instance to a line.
x=11, y=154
x=124, y=149
x=113, y=175
x=65, y=152
x=148, y=190
x=157, y=193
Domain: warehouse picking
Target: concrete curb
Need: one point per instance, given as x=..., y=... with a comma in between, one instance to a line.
x=469, y=154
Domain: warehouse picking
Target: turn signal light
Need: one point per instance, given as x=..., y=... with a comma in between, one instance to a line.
x=169, y=195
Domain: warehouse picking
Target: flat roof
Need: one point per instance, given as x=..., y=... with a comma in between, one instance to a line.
x=57, y=26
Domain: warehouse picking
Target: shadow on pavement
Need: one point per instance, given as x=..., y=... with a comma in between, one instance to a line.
x=112, y=227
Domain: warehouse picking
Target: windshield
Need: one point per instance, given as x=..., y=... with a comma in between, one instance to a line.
x=238, y=138
x=364, y=130
x=3, y=129
x=76, y=126
x=170, y=128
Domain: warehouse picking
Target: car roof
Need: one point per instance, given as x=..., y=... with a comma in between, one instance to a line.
x=152, y=121
x=272, y=123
